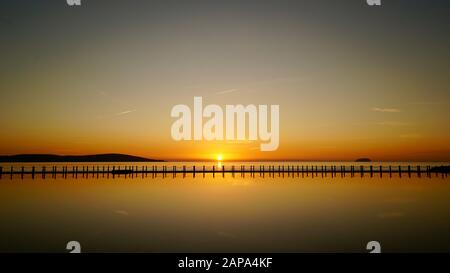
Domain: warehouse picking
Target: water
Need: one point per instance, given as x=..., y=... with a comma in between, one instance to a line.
x=224, y=213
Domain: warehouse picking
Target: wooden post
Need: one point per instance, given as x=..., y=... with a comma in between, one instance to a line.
x=223, y=169
x=193, y=169
x=418, y=170
x=1, y=171
x=213, y=170
x=409, y=170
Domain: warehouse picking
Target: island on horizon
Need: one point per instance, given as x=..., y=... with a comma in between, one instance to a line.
x=363, y=159
x=75, y=158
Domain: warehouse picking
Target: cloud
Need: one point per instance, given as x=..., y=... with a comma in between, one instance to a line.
x=386, y=110
x=122, y=212
x=410, y=136
x=393, y=123
x=427, y=103
x=226, y=91
x=125, y=112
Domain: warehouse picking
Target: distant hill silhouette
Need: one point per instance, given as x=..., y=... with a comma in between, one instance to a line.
x=74, y=158
x=363, y=159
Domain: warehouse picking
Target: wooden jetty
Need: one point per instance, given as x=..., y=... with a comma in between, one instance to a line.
x=193, y=169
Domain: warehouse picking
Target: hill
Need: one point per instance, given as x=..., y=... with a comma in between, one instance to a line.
x=74, y=158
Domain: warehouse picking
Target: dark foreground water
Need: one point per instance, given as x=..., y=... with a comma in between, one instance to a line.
x=290, y=213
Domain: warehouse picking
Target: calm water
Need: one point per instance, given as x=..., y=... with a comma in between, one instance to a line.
x=290, y=213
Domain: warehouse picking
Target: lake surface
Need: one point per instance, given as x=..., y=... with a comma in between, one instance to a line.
x=226, y=213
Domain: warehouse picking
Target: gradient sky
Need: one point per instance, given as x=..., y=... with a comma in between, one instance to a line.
x=351, y=80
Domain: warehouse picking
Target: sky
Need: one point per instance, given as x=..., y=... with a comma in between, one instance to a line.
x=351, y=80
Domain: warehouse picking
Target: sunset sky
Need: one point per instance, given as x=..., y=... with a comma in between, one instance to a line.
x=351, y=80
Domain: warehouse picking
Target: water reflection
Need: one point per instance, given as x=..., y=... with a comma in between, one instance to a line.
x=225, y=212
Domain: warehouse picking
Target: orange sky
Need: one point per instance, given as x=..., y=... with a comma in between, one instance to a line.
x=350, y=83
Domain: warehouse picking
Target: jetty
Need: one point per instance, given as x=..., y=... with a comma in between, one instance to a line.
x=217, y=169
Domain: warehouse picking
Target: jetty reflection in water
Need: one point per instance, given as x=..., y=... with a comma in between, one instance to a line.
x=226, y=213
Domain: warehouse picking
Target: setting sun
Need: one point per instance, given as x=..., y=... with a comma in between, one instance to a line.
x=219, y=157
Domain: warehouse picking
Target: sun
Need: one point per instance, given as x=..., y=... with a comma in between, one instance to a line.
x=219, y=157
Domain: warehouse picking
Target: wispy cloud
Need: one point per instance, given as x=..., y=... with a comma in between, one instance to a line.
x=410, y=136
x=427, y=103
x=386, y=110
x=226, y=91
x=125, y=112
x=122, y=212
x=394, y=123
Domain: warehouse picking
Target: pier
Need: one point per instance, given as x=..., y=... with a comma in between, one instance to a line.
x=333, y=170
